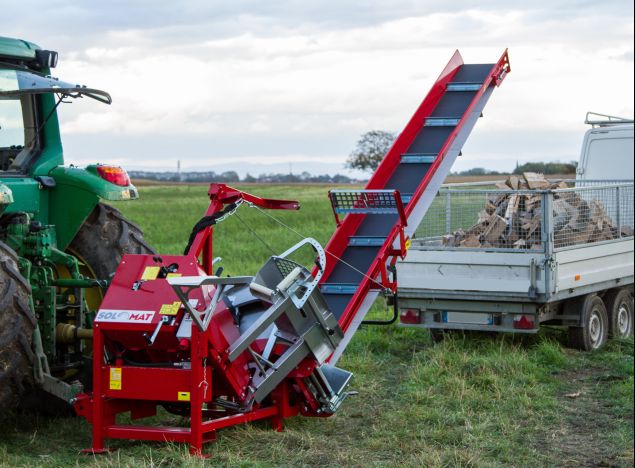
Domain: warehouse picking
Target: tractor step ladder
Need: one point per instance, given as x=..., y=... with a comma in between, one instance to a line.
x=378, y=221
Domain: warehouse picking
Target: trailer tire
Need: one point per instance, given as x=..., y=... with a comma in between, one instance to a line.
x=438, y=335
x=17, y=324
x=619, y=303
x=104, y=238
x=594, y=331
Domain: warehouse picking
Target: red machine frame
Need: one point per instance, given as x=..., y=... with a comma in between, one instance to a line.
x=141, y=400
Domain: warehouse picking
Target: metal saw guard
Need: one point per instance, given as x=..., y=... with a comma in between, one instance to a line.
x=297, y=317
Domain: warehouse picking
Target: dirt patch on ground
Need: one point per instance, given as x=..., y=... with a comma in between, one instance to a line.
x=580, y=438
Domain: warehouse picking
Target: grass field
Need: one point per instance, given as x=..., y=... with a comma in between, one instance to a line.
x=470, y=401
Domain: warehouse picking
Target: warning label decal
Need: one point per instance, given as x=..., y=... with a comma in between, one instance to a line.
x=115, y=378
x=170, y=309
x=150, y=273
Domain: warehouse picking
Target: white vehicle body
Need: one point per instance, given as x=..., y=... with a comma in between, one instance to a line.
x=607, y=151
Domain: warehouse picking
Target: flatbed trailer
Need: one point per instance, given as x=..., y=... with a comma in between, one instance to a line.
x=562, y=279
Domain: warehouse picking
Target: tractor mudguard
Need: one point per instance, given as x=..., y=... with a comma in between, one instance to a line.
x=88, y=180
x=79, y=191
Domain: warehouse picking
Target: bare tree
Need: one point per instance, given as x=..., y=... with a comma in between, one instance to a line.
x=370, y=149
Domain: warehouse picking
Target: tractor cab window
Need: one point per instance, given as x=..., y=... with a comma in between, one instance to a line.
x=18, y=131
x=21, y=117
x=11, y=124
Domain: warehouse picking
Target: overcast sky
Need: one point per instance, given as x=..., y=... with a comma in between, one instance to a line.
x=259, y=86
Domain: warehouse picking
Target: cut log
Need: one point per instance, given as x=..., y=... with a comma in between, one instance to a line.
x=513, y=182
x=564, y=237
x=512, y=207
x=562, y=213
x=472, y=241
x=583, y=235
x=513, y=220
x=483, y=216
x=535, y=181
x=448, y=240
x=495, y=228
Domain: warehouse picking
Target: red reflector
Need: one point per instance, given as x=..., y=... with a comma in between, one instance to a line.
x=184, y=344
x=411, y=316
x=523, y=323
x=114, y=175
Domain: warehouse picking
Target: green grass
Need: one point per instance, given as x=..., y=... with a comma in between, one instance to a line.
x=471, y=400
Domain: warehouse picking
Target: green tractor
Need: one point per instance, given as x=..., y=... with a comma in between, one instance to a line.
x=59, y=245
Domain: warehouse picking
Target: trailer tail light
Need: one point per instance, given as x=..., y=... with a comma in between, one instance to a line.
x=524, y=322
x=410, y=316
x=114, y=175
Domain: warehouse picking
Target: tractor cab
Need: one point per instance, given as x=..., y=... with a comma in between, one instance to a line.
x=21, y=116
x=59, y=244
x=34, y=178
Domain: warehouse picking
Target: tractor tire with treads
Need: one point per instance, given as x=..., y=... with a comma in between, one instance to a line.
x=17, y=324
x=104, y=238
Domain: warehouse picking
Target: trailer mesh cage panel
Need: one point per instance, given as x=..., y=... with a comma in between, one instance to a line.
x=482, y=216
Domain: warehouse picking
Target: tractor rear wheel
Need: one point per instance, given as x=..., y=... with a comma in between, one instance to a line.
x=17, y=324
x=104, y=238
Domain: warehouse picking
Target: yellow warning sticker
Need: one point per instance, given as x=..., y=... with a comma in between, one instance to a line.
x=183, y=396
x=408, y=243
x=150, y=273
x=170, y=309
x=174, y=275
x=115, y=378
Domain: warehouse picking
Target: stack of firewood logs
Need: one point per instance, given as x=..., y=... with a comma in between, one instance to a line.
x=514, y=220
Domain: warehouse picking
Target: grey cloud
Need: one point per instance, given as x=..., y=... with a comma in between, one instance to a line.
x=209, y=33
x=63, y=22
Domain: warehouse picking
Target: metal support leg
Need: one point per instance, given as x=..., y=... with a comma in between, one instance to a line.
x=197, y=390
x=98, y=398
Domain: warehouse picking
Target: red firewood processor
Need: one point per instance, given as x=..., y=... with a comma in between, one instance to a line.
x=173, y=332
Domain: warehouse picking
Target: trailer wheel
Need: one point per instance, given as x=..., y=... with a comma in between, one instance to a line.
x=595, y=323
x=619, y=302
x=17, y=324
x=437, y=335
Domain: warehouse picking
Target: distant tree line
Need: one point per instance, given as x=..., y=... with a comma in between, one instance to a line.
x=547, y=168
x=233, y=177
x=543, y=168
x=476, y=171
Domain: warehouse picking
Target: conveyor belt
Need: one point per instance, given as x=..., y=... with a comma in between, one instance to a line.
x=368, y=239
